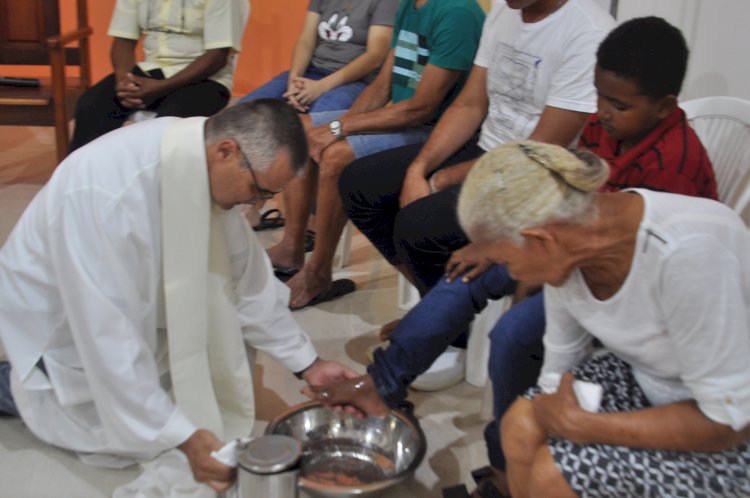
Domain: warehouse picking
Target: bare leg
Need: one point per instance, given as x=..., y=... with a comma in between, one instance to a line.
x=522, y=438
x=298, y=194
x=290, y=251
x=316, y=275
x=546, y=479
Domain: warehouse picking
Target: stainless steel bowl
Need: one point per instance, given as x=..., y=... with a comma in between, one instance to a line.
x=344, y=456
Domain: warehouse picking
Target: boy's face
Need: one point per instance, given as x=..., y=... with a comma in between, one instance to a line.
x=625, y=113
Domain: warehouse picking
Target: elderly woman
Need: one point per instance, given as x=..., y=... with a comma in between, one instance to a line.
x=663, y=281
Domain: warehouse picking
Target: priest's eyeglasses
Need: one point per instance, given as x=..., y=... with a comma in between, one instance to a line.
x=261, y=194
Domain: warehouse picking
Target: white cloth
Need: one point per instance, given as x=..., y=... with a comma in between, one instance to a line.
x=79, y=286
x=681, y=318
x=534, y=65
x=588, y=394
x=178, y=32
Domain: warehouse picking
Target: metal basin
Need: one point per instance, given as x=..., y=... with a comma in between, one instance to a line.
x=344, y=456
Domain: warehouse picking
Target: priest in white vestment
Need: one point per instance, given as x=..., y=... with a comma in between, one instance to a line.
x=129, y=283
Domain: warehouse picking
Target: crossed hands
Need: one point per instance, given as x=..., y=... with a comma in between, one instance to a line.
x=302, y=92
x=136, y=92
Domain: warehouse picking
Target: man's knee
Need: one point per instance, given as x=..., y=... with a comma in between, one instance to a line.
x=335, y=158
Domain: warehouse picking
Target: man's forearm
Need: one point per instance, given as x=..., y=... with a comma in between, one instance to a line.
x=676, y=426
x=122, y=54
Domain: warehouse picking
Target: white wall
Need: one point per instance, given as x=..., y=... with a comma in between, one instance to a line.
x=718, y=35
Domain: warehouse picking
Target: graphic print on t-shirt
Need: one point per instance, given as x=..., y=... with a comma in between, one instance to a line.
x=335, y=29
x=411, y=57
x=512, y=78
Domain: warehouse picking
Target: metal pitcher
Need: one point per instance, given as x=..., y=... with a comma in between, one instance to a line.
x=268, y=467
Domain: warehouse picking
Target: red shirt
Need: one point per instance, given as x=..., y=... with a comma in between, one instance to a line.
x=670, y=159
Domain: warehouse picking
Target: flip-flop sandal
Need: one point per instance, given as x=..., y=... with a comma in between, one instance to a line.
x=309, y=240
x=457, y=491
x=284, y=273
x=485, y=487
x=340, y=287
x=270, y=220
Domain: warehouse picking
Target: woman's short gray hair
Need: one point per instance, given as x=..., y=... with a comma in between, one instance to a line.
x=261, y=128
x=526, y=184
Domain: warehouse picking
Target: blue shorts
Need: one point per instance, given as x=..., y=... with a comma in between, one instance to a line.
x=367, y=144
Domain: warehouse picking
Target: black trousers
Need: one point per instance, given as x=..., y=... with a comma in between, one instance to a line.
x=424, y=233
x=98, y=111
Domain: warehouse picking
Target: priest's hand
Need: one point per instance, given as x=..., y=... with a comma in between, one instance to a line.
x=206, y=469
x=357, y=395
x=323, y=372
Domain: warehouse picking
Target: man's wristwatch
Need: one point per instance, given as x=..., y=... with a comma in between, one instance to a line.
x=335, y=128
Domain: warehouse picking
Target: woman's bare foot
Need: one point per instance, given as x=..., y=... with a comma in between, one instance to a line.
x=306, y=285
x=387, y=329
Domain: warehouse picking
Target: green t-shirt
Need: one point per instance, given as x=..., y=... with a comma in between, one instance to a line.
x=444, y=33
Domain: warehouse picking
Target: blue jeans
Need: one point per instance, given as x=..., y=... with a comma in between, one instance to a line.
x=340, y=98
x=516, y=353
x=443, y=314
x=7, y=405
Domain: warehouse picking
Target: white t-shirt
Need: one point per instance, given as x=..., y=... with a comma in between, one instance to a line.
x=534, y=65
x=682, y=317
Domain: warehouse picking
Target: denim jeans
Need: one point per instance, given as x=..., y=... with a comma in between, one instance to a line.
x=516, y=353
x=426, y=331
x=7, y=405
x=445, y=312
x=340, y=98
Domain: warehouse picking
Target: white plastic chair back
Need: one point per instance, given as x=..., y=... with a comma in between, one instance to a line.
x=723, y=125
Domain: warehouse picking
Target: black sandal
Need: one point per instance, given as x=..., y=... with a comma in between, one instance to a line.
x=270, y=220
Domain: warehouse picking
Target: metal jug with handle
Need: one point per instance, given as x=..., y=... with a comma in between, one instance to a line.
x=269, y=467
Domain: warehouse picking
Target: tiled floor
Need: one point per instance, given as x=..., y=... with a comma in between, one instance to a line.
x=341, y=330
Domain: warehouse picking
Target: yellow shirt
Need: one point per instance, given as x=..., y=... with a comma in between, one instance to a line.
x=176, y=32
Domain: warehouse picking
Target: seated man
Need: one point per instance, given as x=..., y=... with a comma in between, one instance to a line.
x=434, y=42
x=532, y=77
x=648, y=143
x=188, y=66
x=135, y=231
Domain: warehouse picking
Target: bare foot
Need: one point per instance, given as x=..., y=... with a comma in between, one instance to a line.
x=284, y=255
x=387, y=329
x=305, y=285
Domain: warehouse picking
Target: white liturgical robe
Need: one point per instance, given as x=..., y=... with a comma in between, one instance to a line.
x=80, y=289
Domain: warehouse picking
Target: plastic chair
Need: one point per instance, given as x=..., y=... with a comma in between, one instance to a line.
x=723, y=125
x=343, y=255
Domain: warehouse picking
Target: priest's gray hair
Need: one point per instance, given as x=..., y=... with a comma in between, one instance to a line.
x=262, y=128
x=529, y=184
